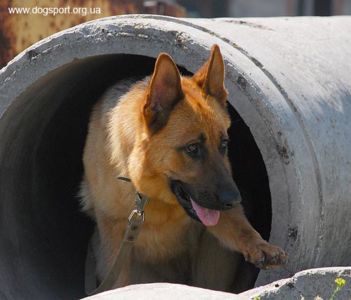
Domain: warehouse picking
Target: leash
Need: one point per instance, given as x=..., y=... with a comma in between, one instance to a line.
x=135, y=220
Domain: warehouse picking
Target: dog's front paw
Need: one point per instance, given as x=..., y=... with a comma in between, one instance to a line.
x=264, y=255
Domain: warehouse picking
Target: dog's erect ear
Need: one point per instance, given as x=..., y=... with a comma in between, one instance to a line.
x=164, y=93
x=210, y=77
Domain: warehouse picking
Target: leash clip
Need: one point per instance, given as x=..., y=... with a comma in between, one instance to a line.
x=136, y=217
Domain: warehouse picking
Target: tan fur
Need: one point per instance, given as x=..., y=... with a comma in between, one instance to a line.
x=121, y=143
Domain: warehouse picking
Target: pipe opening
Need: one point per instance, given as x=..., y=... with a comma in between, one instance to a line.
x=43, y=234
x=249, y=173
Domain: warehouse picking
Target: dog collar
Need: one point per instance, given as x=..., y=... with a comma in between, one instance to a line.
x=140, y=200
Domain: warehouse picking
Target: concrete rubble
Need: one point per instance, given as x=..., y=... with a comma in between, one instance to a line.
x=319, y=284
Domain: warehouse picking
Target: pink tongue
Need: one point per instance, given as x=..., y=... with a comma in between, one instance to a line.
x=208, y=217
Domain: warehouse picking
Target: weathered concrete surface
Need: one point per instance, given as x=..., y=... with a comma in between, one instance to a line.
x=162, y=291
x=306, y=285
x=289, y=79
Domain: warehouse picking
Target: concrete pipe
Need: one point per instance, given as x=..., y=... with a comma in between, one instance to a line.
x=289, y=84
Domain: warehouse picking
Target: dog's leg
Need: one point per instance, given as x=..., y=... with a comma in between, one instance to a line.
x=213, y=266
x=235, y=232
x=110, y=237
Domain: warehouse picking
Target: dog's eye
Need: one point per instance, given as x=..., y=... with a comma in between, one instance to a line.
x=193, y=150
x=223, y=147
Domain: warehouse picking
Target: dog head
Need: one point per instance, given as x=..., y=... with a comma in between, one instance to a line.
x=183, y=145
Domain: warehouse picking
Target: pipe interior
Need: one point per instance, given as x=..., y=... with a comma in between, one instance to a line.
x=43, y=234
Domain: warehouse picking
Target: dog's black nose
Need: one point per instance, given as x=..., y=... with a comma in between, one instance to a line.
x=229, y=197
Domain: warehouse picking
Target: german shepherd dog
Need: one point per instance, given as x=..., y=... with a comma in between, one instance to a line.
x=168, y=135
